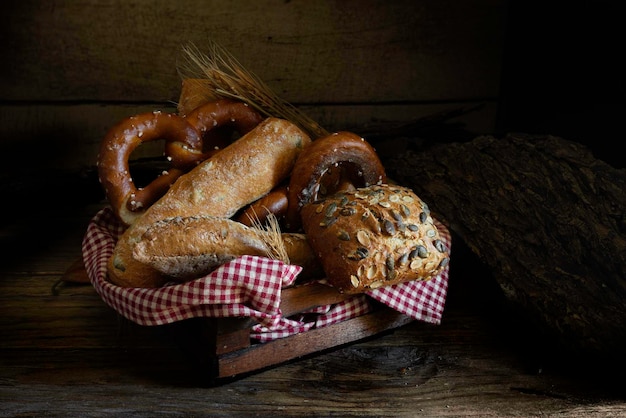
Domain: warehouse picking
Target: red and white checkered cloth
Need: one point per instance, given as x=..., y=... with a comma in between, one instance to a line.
x=248, y=286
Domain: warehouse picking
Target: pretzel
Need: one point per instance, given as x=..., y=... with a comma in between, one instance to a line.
x=345, y=157
x=127, y=200
x=275, y=202
x=215, y=122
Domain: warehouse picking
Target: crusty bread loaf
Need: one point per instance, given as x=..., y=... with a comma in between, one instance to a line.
x=374, y=236
x=191, y=247
x=236, y=176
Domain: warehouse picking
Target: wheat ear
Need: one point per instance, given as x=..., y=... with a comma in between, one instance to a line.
x=220, y=75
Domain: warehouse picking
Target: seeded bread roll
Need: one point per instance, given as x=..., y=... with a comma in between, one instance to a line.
x=374, y=236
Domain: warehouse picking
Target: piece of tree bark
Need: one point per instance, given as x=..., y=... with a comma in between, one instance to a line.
x=546, y=217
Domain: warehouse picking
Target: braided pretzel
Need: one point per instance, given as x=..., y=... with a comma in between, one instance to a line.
x=128, y=201
x=214, y=121
x=329, y=164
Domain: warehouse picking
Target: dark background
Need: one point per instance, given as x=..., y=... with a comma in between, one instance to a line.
x=564, y=73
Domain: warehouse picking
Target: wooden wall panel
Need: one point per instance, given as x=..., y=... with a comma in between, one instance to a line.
x=308, y=51
x=68, y=136
x=73, y=69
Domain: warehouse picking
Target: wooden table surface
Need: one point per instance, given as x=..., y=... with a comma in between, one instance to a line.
x=63, y=352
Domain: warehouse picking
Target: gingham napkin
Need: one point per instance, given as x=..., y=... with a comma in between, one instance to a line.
x=248, y=286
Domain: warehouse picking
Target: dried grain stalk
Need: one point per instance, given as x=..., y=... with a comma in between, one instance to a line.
x=217, y=74
x=271, y=235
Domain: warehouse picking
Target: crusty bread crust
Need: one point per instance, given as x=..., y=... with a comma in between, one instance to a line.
x=191, y=247
x=186, y=248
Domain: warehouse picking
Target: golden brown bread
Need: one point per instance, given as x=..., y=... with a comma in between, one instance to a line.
x=191, y=247
x=237, y=176
x=374, y=236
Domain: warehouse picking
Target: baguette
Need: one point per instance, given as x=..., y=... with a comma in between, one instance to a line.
x=238, y=175
x=185, y=248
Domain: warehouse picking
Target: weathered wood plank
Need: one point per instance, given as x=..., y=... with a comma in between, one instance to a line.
x=309, y=52
x=402, y=374
x=277, y=352
x=68, y=137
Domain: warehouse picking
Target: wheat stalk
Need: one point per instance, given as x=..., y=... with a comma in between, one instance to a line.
x=220, y=75
x=271, y=236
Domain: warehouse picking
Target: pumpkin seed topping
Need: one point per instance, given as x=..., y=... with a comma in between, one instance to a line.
x=343, y=235
x=439, y=245
x=328, y=222
x=419, y=251
x=444, y=263
x=347, y=211
x=359, y=254
x=390, y=263
x=388, y=227
x=330, y=209
x=362, y=252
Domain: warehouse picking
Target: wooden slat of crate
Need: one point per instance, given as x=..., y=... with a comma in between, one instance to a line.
x=272, y=353
x=233, y=334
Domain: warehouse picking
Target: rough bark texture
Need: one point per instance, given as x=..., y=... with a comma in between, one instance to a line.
x=546, y=217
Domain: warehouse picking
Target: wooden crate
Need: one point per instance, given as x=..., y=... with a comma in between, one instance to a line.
x=225, y=344
x=233, y=352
